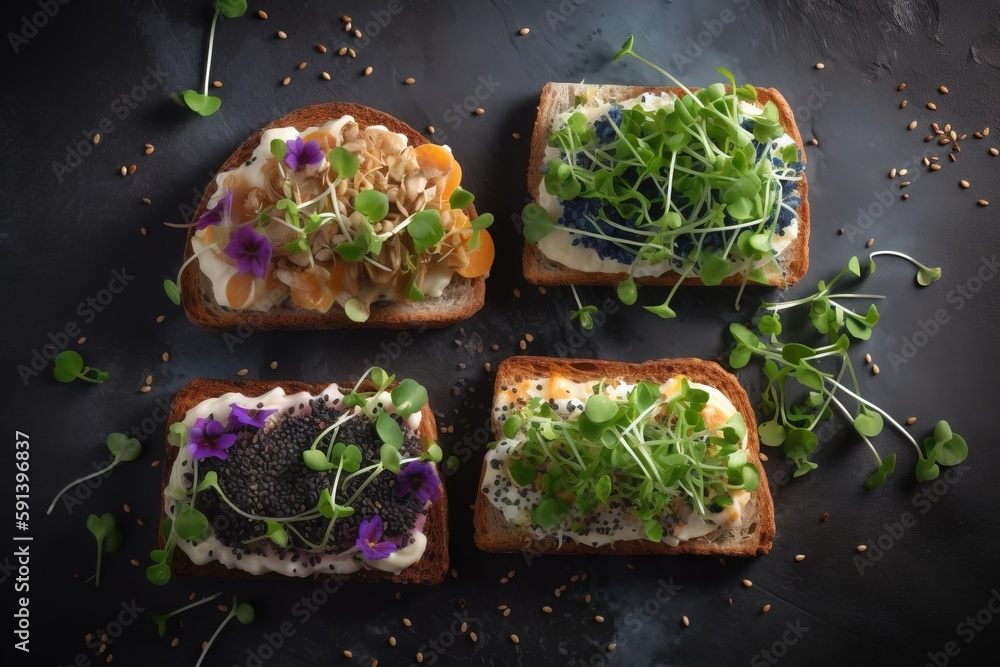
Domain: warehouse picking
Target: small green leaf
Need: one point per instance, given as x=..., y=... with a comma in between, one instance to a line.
x=245, y=613
x=124, y=447
x=357, y=310
x=603, y=488
x=388, y=430
x=714, y=269
x=877, y=478
x=868, y=423
x=653, y=529
x=373, y=204
x=232, y=8
x=550, y=513
x=350, y=251
x=799, y=443
x=740, y=356
x=927, y=275
x=537, y=223
x=344, y=162
x=316, y=460
x=663, y=310
x=200, y=103
x=101, y=526
x=927, y=470
x=854, y=266
x=408, y=397
x=158, y=574
x=522, y=472
x=173, y=291
x=425, y=230
x=299, y=245
x=625, y=50
x=627, y=292
x=482, y=221
x=743, y=335
x=177, y=435
x=276, y=533
x=190, y=524
x=390, y=458
x=600, y=409
x=278, y=150
x=210, y=480
x=511, y=426
x=461, y=198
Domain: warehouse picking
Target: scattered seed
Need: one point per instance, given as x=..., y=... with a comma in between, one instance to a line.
x=149, y=379
x=902, y=105
x=287, y=80
x=901, y=86
x=875, y=370
x=345, y=18
x=954, y=135
x=840, y=232
x=473, y=636
x=123, y=170
x=926, y=162
x=911, y=421
x=325, y=75
x=943, y=90
x=912, y=125
x=686, y=621
x=242, y=372
x=146, y=201
x=154, y=464
x=145, y=389
x=81, y=340
x=515, y=639
x=929, y=137
x=814, y=142
x=321, y=48
x=986, y=131
x=430, y=129
x=870, y=243
x=392, y=641
x=892, y=173
x=541, y=290
x=766, y=608
x=547, y=609
x=799, y=558
x=528, y=337
x=932, y=106
x=994, y=152
x=517, y=293
x=820, y=66
x=342, y=51
x=763, y=457
x=261, y=13
x=523, y=345
x=964, y=183
x=140, y=521
x=587, y=598
x=612, y=646
x=407, y=622
x=351, y=53
x=348, y=654
x=368, y=70
x=160, y=318
x=904, y=196
x=282, y=34
x=904, y=184
x=480, y=111
x=825, y=517
x=303, y=64
x=503, y=580
x=357, y=33
x=903, y=172
x=347, y=28
x=862, y=548
x=464, y=627
x=977, y=135
x=868, y=358
x=420, y=656
x=409, y=81
x=175, y=642
x=127, y=508
x=747, y=583
x=523, y=31
x=516, y=135
x=217, y=84
x=983, y=202
x=599, y=618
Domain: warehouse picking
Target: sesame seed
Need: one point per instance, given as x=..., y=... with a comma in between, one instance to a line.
x=747, y=583
x=515, y=639
x=763, y=457
x=146, y=201
x=287, y=80
x=135, y=562
x=473, y=636
x=127, y=508
x=303, y=64
x=994, y=152
x=175, y=642
x=983, y=202
x=875, y=370
x=799, y=558
x=368, y=70
x=943, y=90
x=217, y=84
x=819, y=66
x=145, y=389
x=547, y=609
x=986, y=131
x=911, y=421
x=325, y=75
x=814, y=142
x=392, y=641
x=912, y=125
x=523, y=31
x=351, y=53
x=154, y=464
x=504, y=580
x=345, y=18
x=357, y=33
x=523, y=345
x=903, y=172
x=274, y=364
x=150, y=148
x=97, y=139
x=516, y=135
x=517, y=293
x=160, y=318
x=347, y=28
x=430, y=129
x=348, y=654
x=825, y=517
x=587, y=598
x=541, y=290
x=599, y=618
x=904, y=184
x=686, y=621
x=480, y=111
x=901, y=86
x=140, y=521
x=261, y=13
x=409, y=81
x=964, y=183
x=528, y=337
x=149, y=379
x=407, y=622
x=321, y=48
x=902, y=105
x=862, y=548
x=242, y=372
x=932, y=106
x=420, y=656
x=892, y=173
x=766, y=608
x=870, y=243
x=123, y=171
x=81, y=340
x=612, y=646
x=342, y=51
x=868, y=358
x=282, y=34
x=464, y=627
x=977, y=135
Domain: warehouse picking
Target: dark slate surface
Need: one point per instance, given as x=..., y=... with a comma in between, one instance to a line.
x=67, y=232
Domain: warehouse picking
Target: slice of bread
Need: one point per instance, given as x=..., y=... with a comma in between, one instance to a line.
x=460, y=300
x=430, y=569
x=558, y=97
x=494, y=533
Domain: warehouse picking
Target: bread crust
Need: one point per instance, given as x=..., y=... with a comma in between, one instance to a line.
x=433, y=564
x=494, y=533
x=556, y=98
x=463, y=297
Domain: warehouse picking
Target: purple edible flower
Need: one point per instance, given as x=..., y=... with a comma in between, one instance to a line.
x=217, y=213
x=252, y=251
x=209, y=438
x=241, y=416
x=421, y=479
x=301, y=153
x=369, y=535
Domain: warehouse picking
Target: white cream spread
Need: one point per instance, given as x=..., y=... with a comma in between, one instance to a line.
x=558, y=245
x=562, y=393
x=211, y=549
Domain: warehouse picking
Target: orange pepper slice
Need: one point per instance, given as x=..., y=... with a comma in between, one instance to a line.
x=480, y=259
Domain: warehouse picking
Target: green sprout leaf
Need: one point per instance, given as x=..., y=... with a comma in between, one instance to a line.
x=177, y=435
x=190, y=524
x=108, y=536
x=357, y=309
x=232, y=8
x=877, y=478
x=390, y=458
x=202, y=104
x=627, y=292
x=461, y=198
x=425, y=230
x=626, y=48
x=173, y=291
x=388, y=430
x=868, y=423
x=344, y=162
x=316, y=460
x=537, y=223
x=522, y=471
x=550, y=513
x=276, y=533
x=278, y=149
x=408, y=397
x=124, y=447
x=373, y=204
x=600, y=409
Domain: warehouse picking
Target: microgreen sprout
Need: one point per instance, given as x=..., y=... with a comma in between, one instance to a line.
x=326, y=453
x=68, y=366
x=122, y=448
x=925, y=274
x=202, y=103
x=702, y=186
x=161, y=619
x=241, y=611
x=172, y=287
x=583, y=313
x=789, y=422
x=648, y=451
x=108, y=535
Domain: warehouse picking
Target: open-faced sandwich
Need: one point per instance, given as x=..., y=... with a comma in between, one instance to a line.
x=662, y=186
x=335, y=215
x=286, y=478
x=616, y=458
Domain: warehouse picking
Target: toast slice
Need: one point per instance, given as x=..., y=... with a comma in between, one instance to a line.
x=433, y=564
x=460, y=300
x=494, y=533
x=558, y=97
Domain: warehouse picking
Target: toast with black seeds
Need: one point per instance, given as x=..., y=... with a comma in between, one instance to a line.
x=494, y=533
x=432, y=566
